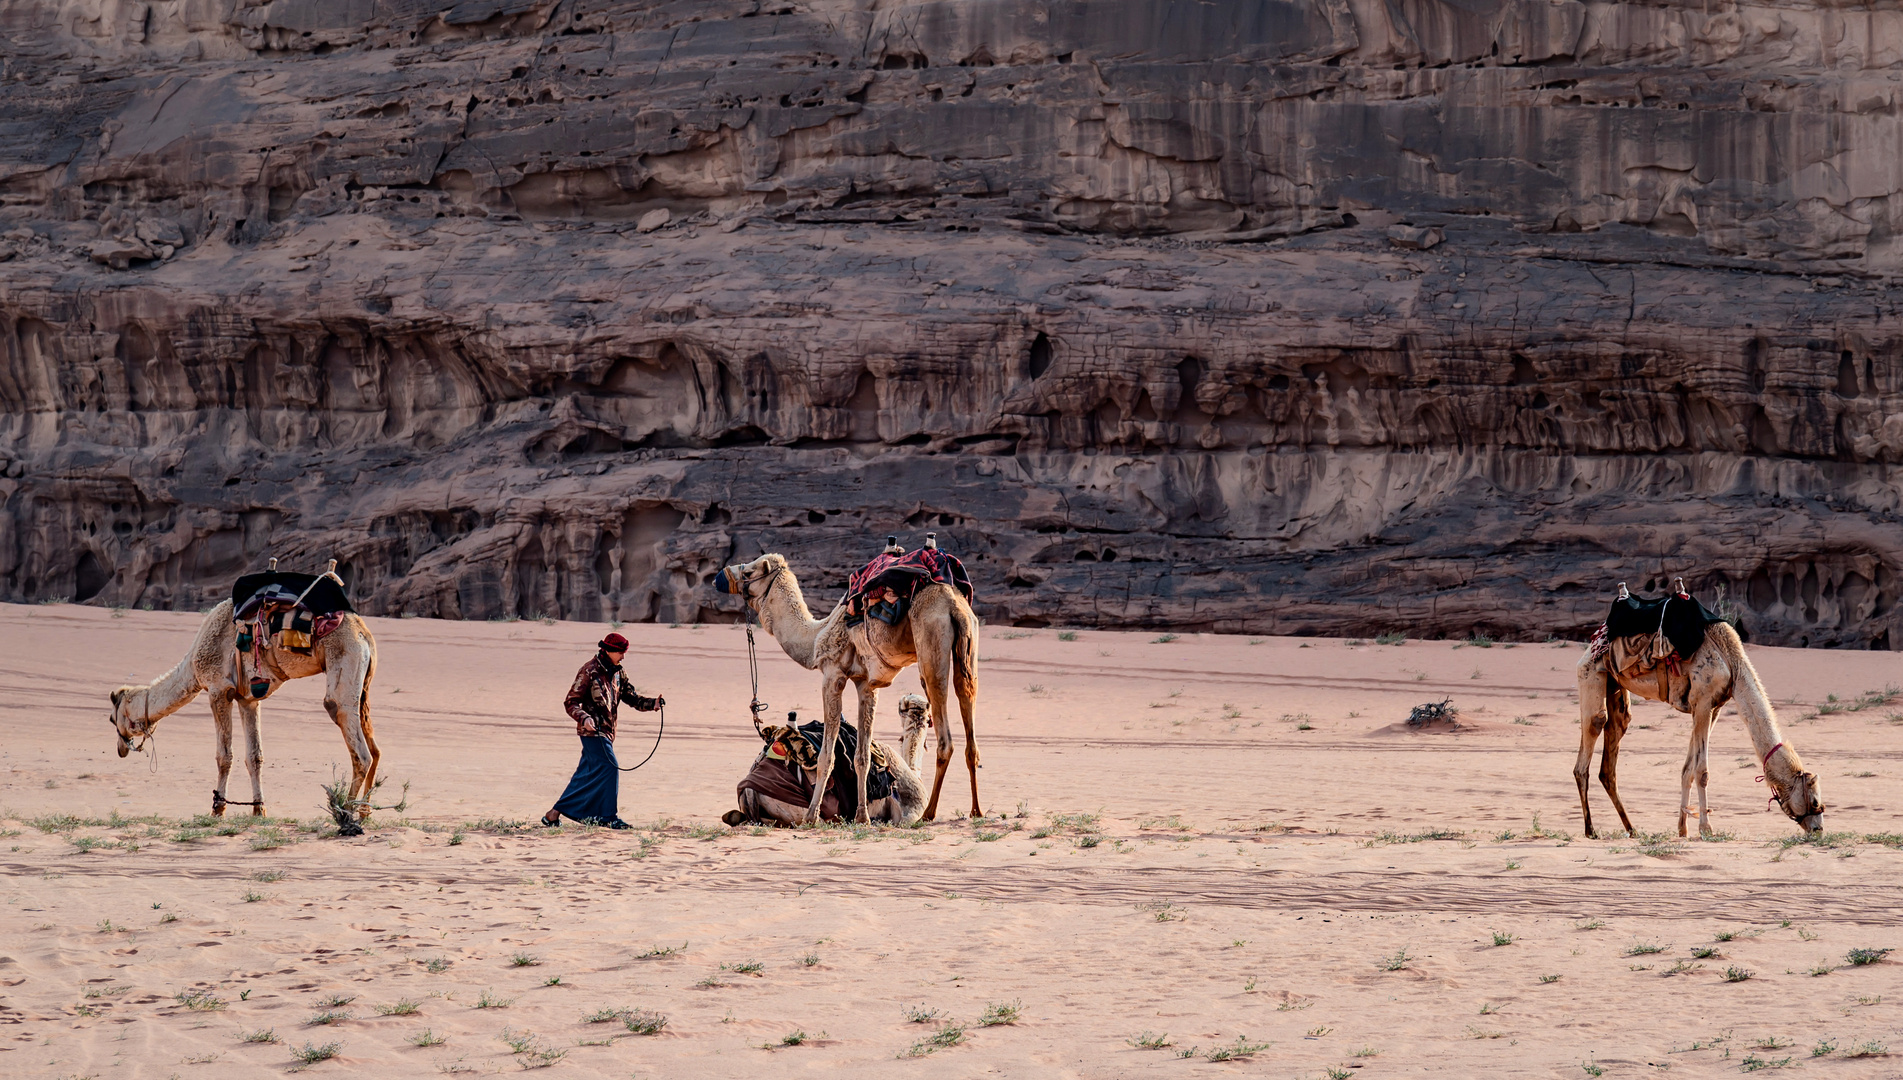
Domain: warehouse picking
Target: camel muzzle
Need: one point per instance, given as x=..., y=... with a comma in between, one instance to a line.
x=723, y=581
x=124, y=746
x=1812, y=823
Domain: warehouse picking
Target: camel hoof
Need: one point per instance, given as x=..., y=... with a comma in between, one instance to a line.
x=258, y=810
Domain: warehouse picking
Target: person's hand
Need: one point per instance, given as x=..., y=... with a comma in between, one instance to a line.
x=586, y=727
x=659, y=701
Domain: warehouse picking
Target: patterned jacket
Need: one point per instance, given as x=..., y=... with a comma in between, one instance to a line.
x=599, y=690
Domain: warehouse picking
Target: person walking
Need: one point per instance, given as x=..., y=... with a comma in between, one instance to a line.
x=594, y=793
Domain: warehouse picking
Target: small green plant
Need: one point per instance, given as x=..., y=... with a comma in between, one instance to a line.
x=745, y=967
x=1000, y=1013
x=405, y=1007
x=262, y=1035
x=1824, y=1048
x=1513, y=864
x=947, y=1036
x=794, y=1038
x=1394, y=963
x=1590, y=924
x=1392, y=637
x=1706, y=952
x=1318, y=1032
x=661, y=952
x=919, y=1014
x=1500, y=938
x=268, y=876
x=252, y=896
x=1645, y=948
x=1067, y=635
x=199, y=1000
x=1872, y=1048
x=336, y=1001
x=1752, y=1063
x=436, y=965
x=1861, y=957
x=1163, y=639
x=326, y=1017
x=1335, y=1072
x=603, y=1016
x=1480, y=641
x=811, y=959
x=427, y=1038
x=644, y=1022
x=1737, y=974
x=523, y=959
x=1242, y=1048
x=311, y=1055
x=1151, y=1041
x=1546, y=979
x=1593, y=1068
x=490, y=1001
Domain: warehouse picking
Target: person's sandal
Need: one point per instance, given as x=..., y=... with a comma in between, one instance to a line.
x=551, y=820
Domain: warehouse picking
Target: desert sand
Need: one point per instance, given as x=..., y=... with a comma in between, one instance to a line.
x=1213, y=845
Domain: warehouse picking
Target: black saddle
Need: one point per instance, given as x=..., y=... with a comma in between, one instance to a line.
x=325, y=599
x=1682, y=618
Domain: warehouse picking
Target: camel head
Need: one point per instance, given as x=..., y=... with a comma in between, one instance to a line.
x=752, y=580
x=913, y=711
x=130, y=718
x=1796, y=791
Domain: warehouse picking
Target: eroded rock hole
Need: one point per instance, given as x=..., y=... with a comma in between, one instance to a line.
x=89, y=578
x=1040, y=361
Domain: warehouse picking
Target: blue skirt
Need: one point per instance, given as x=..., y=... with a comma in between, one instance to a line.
x=594, y=794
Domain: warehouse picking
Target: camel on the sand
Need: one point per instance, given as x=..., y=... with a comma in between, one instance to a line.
x=1718, y=672
x=902, y=807
x=939, y=633
x=347, y=656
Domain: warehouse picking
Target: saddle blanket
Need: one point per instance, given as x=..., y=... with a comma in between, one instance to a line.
x=884, y=587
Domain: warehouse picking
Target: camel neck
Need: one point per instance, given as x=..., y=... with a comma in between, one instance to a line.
x=784, y=615
x=172, y=692
x=1760, y=719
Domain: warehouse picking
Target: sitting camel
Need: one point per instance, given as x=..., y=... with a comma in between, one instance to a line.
x=939, y=633
x=347, y=656
x=1717, y=672
x=902, y=807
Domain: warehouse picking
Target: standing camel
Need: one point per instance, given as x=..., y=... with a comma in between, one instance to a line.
x=1717, y=672
x=347, y=656
x=939, y=634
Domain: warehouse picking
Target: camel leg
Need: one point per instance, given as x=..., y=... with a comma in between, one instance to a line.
x=1618, y=719
x=830, y=694
x=343, y=700
x=1592, y=721
x=1701, y=738
x=862, y=755
x=1701, y=727
x=933, y=677
x=221, y=728
x=253, y=753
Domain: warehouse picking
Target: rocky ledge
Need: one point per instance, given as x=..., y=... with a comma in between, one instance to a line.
x=1292, y=317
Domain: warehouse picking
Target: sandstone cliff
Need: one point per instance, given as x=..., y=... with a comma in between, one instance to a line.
x=1325, y=316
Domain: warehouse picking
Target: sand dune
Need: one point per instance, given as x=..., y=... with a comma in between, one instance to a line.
x=1223, y=844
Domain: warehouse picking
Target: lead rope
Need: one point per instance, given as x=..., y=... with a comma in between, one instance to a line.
x=657, y=743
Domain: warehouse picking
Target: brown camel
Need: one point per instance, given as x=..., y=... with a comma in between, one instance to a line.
x=1718, y=672
x=939, y=634
x=347, y=656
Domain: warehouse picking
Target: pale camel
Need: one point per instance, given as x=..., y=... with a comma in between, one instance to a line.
x=347, y=656
x=939, y=633
x=902, y=807
x=1717, y=672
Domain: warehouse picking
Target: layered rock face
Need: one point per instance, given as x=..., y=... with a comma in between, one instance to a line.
x=1293, y=316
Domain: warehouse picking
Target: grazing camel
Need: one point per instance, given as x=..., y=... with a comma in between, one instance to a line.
x=347, y=656
x=1718, y=672
x=939, y=634
x=902, y=807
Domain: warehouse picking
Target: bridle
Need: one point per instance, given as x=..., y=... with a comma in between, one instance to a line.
x=147, y=733
x=755, y=707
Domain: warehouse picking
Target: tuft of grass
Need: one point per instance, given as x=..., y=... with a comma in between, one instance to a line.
x=1546, y=979
x=1480, y=641
x=1241, y=1049
x=1737, y=974
x=662, y=952
x=1392, y=637
x=326, y=1017
x=1752, y=1063
x=644, y=1022
x=919, y=1014
x=1706, y=952
x=745, y=967
x=1000, y=1012
x=1590, y=924
x=1161, y=639
x=252, y=896
x=337, y=1001
x=523, y=959
x=948, y=1035
x=1645, y=948
x=1151, y=1041
x=490, y=1001
x=1394, y=963
x=199, y=1000
x=262, y=1035
x=1658, y=845
x=1871, y=1048
x=1861, y=957
x=1824, y=1048
x=1067, y=635
x=811, y=959
x=311, y=1055
x=1500, y=938
x=405, y=1007
x=436, y=965
x=795, y=1037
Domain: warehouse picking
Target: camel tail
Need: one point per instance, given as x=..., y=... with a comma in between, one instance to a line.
x=1747, y=691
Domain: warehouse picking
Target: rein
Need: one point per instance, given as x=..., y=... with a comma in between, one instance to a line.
x=756, y=706
x=1766, y=765
x=657, y=743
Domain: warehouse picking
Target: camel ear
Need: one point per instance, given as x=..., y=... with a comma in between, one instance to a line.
x=118, y=696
